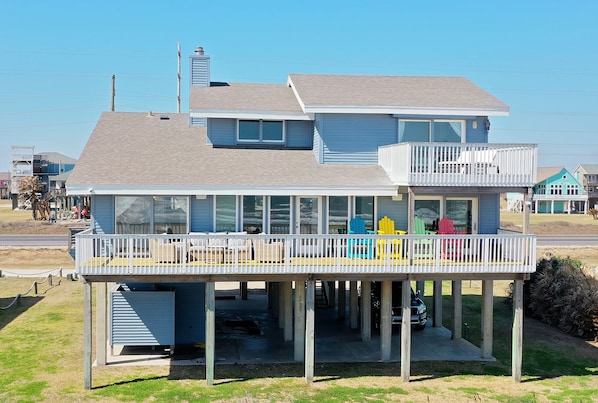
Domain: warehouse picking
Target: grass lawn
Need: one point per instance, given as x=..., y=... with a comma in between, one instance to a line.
x=41, y=359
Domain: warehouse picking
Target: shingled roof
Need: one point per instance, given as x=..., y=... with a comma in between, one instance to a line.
x=133, y=153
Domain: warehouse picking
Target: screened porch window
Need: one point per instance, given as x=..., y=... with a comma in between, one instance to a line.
x=338, y=212
x=280, y=214
x=364, y=208
x=253, y=214
x=151, y=215
x=226, y=213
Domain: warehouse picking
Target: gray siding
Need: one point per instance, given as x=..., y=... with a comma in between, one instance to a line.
x=142, y=318
x=489, y=214
x=102, y=210
x=354, y=139
x=222, y=132
x=395, y=210
x=299, y=133
x=202, y=218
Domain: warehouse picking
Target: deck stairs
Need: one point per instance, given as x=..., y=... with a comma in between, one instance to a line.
x=321, y=294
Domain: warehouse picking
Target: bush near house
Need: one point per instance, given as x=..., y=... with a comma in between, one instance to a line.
x=594, y=213
x=560, y=294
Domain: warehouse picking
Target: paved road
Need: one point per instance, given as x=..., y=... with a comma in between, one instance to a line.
x=25, y=241
x=567, y=240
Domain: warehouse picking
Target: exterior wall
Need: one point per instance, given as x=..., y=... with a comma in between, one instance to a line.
x=201, y=214
x=317, y=139
x=142, y=318
x=102, y=211
x=197, y=122
x=549, y=207
x=199, y=66
x=354, y=139
x=478, y=135
x=189, y=311
x=488, y=214
x=223, y=132
x=299, y=134
x=396, y=210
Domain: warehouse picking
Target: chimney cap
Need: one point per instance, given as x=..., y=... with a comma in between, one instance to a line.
x=199, y=50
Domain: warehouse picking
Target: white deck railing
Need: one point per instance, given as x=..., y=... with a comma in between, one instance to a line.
x=460, y=164
x=303, y=254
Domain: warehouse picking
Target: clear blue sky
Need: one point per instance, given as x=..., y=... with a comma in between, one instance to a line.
x=57, y=59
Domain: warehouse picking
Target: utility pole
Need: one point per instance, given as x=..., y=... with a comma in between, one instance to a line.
x=113, y=92
x=178, y=81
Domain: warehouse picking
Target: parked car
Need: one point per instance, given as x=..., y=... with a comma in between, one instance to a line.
x=419, y=311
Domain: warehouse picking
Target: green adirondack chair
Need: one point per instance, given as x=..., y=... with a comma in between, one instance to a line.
x=422, y=248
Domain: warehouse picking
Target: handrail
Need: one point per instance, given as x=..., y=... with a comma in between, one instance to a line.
x=460, y=164
x=204, y=254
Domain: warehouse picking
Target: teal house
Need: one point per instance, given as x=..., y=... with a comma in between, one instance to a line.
x=558, y=191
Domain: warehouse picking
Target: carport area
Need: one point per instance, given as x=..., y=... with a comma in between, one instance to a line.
x=247, y=332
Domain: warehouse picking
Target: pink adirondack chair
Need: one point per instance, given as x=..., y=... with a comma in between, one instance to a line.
x=451, y=248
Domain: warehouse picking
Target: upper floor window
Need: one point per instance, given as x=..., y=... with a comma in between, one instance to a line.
x=443, y=131
x=556, y=189
x=572, y=189
x=541, y=189
x=260, y=131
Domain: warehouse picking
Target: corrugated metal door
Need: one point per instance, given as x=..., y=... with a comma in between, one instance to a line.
x=142, y=318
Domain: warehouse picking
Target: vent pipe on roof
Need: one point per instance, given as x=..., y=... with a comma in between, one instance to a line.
x=199, y=51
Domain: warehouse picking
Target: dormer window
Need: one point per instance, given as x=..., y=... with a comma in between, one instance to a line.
x=260, y=131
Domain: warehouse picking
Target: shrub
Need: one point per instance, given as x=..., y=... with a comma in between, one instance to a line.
x=594, y=213
x=560, y=294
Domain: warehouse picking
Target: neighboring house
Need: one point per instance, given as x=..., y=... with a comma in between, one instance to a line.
x=51, y=168
x=558, y=191
x=4, y=185
x=261, y=181
x=587, y=175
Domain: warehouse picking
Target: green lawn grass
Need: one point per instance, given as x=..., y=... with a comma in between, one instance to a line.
x=41, y=359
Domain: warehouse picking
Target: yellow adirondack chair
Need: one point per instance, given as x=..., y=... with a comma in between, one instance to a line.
x=423, y=248
x=393, y=248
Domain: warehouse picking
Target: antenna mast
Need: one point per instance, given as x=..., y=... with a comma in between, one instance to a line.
x=178, y=81
x=113, y=92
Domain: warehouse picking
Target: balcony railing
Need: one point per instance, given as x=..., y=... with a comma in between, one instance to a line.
x=460, y=164
x=217, y=254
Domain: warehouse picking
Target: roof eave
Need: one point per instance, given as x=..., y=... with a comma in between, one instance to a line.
x=245, y=114
x=257, y=190
x=392, y=110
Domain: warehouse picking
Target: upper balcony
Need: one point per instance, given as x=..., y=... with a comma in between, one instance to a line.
x=460, y=164
x=103, y=257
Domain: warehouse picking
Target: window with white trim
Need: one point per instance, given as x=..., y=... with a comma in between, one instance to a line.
x=260, y=131
x=435, y=130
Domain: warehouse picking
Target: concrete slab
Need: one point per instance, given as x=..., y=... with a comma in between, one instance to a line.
x=335, y=340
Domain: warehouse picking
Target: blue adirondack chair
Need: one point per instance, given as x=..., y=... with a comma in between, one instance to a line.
x=359, y=247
